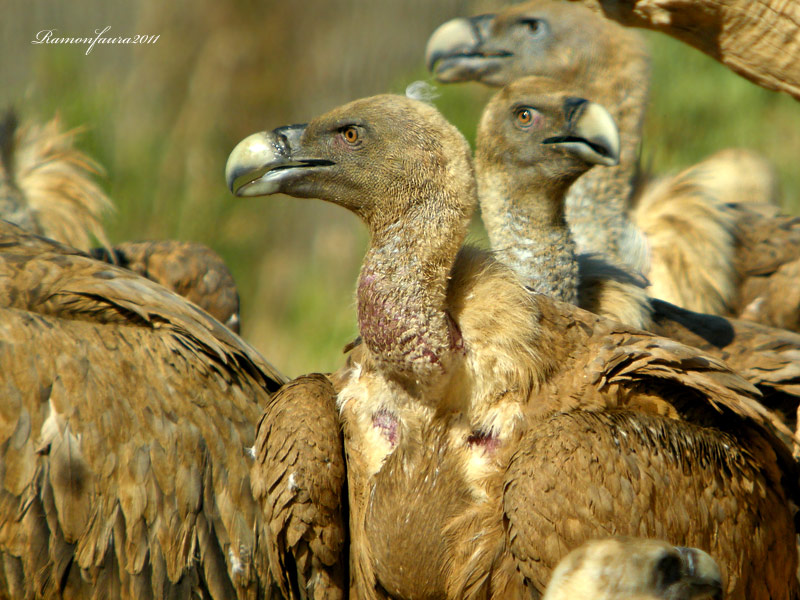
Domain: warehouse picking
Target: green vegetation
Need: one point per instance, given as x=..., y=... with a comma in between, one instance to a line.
x=699, y=107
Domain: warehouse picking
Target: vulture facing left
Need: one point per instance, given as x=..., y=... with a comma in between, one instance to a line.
x=708, y=239
x=129, y=462
x=489, y=431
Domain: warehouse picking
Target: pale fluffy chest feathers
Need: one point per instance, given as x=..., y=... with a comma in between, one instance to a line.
x=419, y=454
x=481, y=393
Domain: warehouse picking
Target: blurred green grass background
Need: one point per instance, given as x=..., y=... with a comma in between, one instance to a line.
x=162, y=119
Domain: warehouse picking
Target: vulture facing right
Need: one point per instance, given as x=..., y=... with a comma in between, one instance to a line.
x=489, y=431
x=534, y=140
x=701, y=241
x=635, y=569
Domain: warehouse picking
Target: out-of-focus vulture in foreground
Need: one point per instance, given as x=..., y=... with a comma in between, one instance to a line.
x=635, y=569
x=534, y=140
x=47, y=188
x=488, y=430
x=700, y=246
x=127, y=439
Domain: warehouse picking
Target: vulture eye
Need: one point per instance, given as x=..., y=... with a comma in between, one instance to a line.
x=525, y=117
x=535, y=26
x=350, y=135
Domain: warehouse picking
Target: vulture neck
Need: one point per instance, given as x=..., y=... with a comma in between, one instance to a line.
x=402, y=291
x=524, y=218
x=599, y=201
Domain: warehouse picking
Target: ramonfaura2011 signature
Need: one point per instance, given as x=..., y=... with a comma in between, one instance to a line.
x=48, y=36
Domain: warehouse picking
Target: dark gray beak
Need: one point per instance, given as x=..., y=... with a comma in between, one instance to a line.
x=260, y=162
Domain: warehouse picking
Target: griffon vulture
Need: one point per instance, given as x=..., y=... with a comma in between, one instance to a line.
x=700, y=243
x=489, y=431
x=130, y=465
x=534, y=140
x=635, y=569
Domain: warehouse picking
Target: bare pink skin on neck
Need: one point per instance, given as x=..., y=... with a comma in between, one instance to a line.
x=401, y=329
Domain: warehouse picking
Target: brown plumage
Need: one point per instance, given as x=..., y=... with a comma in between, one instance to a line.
x=462, y=375
x=128, y=436
x=190, y=269
x=635, y=569
x=299, y=484
x=47, y=187
x=690, y=235
x=523, y=173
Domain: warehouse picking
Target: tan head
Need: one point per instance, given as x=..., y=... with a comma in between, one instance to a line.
x=635, y=569
x=380, y=157
x=562, y=40
x=400, y=166
x=534, y=129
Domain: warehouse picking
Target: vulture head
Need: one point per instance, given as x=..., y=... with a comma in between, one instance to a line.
x=381, y=157
x=407, y=173
x=542, y=37
x=631, y=568
x=534, y=126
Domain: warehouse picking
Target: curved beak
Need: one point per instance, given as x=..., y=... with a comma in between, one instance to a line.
x=590, y=133
x=457, y=50
x=261, y=162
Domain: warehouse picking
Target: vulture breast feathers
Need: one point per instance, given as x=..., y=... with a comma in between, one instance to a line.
x=127, y=436
x=489, y=431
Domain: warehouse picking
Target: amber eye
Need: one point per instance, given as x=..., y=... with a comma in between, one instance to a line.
x=350, y=134
x=525, y=117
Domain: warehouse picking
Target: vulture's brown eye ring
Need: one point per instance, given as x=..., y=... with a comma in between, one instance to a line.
x=525, y=117
x=350, y=135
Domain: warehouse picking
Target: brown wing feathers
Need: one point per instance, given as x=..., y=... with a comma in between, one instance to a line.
x=621, y=457
x=299, y=482
x=188, y=268
x=48, y=187
x=128, y=413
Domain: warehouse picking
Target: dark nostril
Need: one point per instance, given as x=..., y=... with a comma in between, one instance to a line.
x=287, y=137
x=669, y=570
